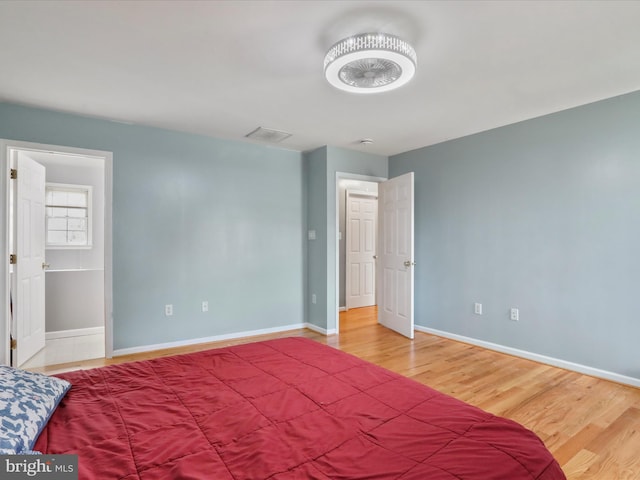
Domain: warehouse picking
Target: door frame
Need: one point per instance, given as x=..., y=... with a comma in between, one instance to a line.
x=344, y=176
x=5, y=280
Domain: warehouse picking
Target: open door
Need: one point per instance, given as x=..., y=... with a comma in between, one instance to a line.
x=28, y=279
x=395, y=254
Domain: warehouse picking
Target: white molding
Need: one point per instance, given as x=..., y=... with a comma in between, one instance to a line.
x=342, y=309
x=215, y=338
x=5, y=315
x=361, y=193
x=77, y=332
x=218, y=338
x=555, y=362
x=65, y=270
x=108, y=255
x=321, y=330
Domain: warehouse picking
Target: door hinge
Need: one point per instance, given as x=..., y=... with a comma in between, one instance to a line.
x=14, y=344
x=13, y=259
x=14, y=174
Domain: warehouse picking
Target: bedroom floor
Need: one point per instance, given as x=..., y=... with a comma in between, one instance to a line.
x=68, y=350
x=591, y=426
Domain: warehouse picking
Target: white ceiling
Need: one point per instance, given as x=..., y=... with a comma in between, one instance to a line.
x=223, y=68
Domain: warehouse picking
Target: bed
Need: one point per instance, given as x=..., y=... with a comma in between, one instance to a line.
x=282, y=409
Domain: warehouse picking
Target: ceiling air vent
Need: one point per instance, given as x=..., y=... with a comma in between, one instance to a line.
x=268, y=135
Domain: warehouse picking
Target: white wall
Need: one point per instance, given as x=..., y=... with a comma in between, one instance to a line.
x=93, y=175
x=75, y=278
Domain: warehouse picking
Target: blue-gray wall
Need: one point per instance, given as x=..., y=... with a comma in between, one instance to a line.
x=542, y=215
x=194, y=218
x=315, y=169
x=322, y=166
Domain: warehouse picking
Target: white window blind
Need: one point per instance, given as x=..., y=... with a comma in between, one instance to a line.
x=68, y=215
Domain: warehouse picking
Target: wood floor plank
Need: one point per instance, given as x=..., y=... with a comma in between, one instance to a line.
x=591, y=426
x=619, y=441
x=572, y=445
x=575, y=469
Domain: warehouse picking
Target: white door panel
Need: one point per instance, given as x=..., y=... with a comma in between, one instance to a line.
x=28, y=309
x=396, y=261
x=362, y=213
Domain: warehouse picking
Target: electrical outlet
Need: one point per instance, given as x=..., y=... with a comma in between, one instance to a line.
x=515, y=314
x=313, y=298
x=168, y=310
x=205, y=306
x=477, y=308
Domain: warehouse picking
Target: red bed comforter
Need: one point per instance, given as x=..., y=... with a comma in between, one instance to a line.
x=282, y=409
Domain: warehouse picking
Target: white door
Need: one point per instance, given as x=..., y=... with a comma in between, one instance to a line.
x=395, y=252
x=362, y=213
x=28, y=291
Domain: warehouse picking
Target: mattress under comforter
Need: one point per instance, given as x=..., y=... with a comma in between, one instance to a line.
x=282, y=409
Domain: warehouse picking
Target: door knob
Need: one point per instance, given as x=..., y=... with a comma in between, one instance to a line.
x=375, y=257
x=409, y=263
x=45, y=266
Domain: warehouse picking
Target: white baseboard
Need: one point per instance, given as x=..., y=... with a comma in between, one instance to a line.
x=321, y=330
x=218, y=338
x=342, y=309
x=78, y=332
x=556, y=362
x=215, y=338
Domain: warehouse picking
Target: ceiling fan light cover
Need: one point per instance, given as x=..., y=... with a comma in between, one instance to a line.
x=370, y=63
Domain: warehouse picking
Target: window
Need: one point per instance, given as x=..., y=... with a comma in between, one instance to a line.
x=68, y=215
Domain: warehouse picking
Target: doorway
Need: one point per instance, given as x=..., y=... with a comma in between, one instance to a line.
x=78, y=252
x=394, y=289
x=367, y=185
x=360, y=242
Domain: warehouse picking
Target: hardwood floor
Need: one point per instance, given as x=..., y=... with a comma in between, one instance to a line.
x=591, y=426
